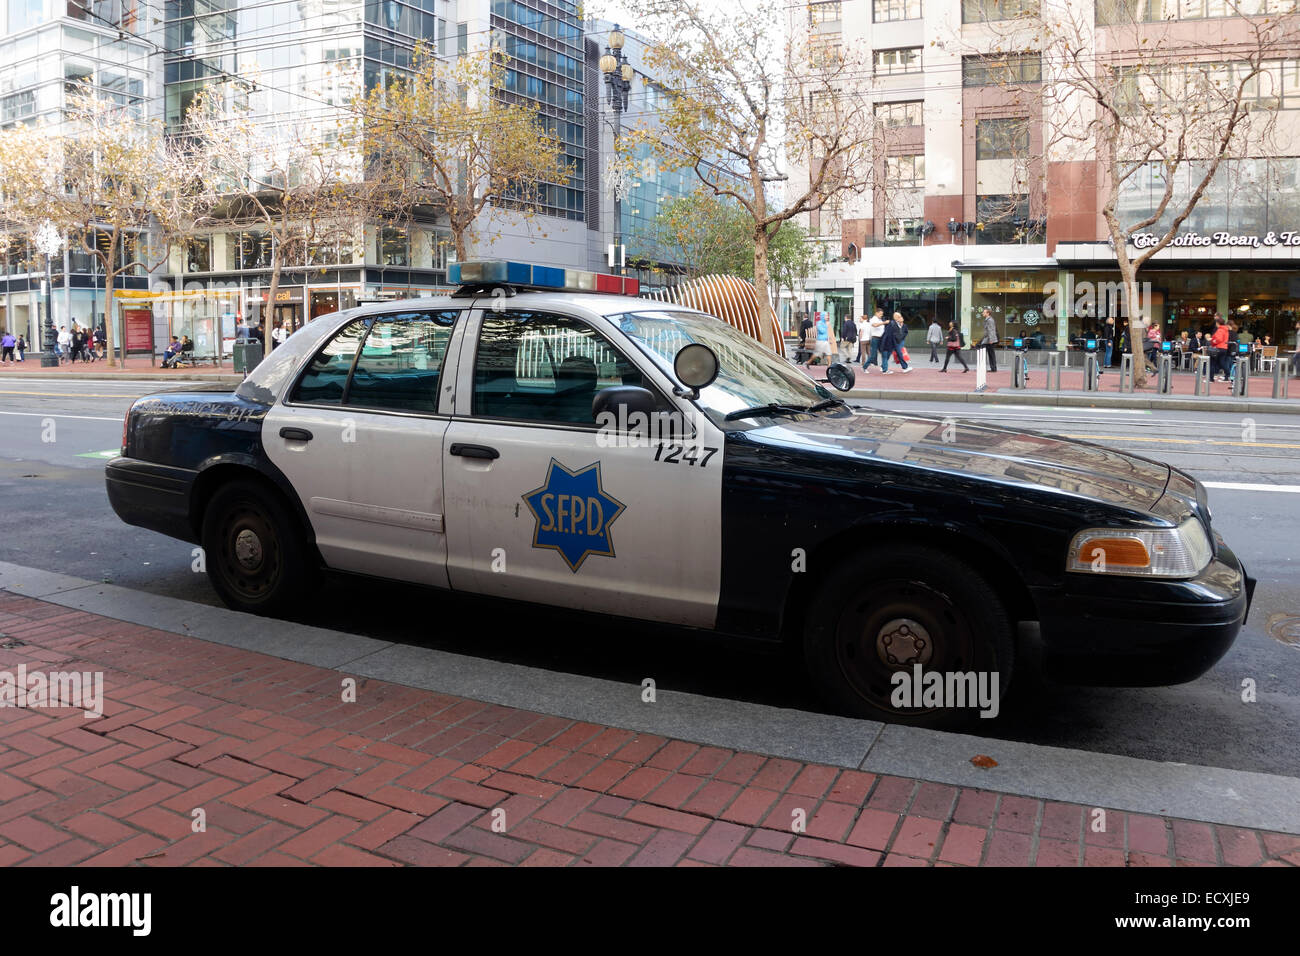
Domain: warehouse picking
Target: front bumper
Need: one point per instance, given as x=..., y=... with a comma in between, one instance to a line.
x=1130, y=632
x=152, y=496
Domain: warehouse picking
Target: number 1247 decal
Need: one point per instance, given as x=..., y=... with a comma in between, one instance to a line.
x=684, y=454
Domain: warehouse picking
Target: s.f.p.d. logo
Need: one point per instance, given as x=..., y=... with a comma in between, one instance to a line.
x=573, y=513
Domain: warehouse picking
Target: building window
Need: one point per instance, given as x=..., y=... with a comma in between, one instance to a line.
x=902, y=60
x=883, y=11
x=1002, y=138
x=1004, y=219
x=198, y=254
x=18, y=106
x=905, y=172
x=981, y=11
x=902, y=230
x=1115, y=12
x=394, y=246
x=819, y=13
x=909, y=113
x=1001, y=70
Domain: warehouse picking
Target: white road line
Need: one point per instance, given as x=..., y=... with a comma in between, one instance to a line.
x=1244, y=486
x=81, y=418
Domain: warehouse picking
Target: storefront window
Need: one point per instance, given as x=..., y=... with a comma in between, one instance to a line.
x=919, y=301
x=1017, y=300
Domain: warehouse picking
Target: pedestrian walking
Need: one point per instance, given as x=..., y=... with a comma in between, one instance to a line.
x=63, y=344
x=935, y=337
x=21, y=347
x=848, y=339
x=891, y=344
x=876, y=326
x=7, y=342
x=955, y=342
x=1219, y=349
x=989, y=340
x=824, y=345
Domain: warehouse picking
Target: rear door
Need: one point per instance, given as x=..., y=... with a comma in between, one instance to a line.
x=544, y=506
x=360, y=438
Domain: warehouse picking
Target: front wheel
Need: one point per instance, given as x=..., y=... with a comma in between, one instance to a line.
x=255, y=556
x=910, y=636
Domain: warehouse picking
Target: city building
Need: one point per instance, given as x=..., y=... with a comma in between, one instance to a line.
x=976, y=210
x=48, y=49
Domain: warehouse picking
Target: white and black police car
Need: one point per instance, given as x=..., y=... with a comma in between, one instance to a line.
x=544, y=437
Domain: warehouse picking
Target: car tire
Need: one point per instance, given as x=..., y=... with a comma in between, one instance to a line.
x=886, y=612
x=255, y=555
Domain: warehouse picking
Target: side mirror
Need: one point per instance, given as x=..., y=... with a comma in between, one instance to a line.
x=622, y=400
x=696, y=367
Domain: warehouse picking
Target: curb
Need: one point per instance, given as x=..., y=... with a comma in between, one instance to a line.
x=225, y=378
x=1270, y=406
x=1207, y=794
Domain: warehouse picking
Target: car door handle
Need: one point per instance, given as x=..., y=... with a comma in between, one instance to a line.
x=295, y=434
x=474, y=451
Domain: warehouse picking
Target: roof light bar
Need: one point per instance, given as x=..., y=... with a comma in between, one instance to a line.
x=523, y=274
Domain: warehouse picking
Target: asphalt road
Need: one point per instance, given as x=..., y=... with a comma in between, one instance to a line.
x=55, y=515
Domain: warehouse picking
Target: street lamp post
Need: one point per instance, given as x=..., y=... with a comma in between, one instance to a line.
x=618, y=81
x=48, y=243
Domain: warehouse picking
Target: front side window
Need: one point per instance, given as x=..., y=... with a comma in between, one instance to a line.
x=537, y=366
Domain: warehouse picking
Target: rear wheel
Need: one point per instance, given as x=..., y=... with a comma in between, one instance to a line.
x=887, y=614
x=255, y=555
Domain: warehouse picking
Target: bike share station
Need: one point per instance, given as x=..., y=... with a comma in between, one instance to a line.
x=1020, y=366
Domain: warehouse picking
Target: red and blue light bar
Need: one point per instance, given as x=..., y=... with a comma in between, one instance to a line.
x=502, y=272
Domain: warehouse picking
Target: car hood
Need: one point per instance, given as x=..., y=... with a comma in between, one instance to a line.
x=998, y=454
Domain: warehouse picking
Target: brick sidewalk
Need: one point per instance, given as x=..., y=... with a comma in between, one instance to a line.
x=287, y=773
x=133, y=365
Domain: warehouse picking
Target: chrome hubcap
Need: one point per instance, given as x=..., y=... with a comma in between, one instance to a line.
x=903, y=642
x=248, y=549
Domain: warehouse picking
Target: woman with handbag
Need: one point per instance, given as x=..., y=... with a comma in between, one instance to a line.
x=956, y=342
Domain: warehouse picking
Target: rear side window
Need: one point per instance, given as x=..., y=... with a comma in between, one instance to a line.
x=390, y=361
x=401, y=361
x=326, y=377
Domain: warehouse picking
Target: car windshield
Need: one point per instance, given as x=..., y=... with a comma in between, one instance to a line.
x=748, y=376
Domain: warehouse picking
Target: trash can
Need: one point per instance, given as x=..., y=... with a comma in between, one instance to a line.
x=246, y=355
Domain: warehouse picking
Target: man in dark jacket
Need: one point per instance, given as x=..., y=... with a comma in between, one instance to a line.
x=891, y=343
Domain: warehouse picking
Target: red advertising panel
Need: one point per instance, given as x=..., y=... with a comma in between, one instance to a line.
x=139, y=330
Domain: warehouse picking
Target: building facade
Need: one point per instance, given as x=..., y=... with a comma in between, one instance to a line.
x=982, y=205
x=48, y=50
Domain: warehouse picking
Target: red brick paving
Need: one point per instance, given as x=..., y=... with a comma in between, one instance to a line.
x=287, y=775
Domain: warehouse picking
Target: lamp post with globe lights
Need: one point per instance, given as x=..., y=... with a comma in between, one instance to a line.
x=618, y=81
x=48, y=243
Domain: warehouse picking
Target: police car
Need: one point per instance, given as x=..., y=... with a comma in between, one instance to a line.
x=543, y=436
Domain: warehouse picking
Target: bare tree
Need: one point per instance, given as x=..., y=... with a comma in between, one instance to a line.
x=111, y=183
x=451, y=136
x=298, y=180
x=1152, y=103
x=779, y=129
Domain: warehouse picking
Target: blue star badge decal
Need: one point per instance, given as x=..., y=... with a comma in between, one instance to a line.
x=573, y=514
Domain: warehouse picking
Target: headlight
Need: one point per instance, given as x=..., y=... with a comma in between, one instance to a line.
x=1181, y=552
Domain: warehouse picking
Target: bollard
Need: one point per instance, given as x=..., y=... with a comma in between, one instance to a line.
x=1242, y=378
x=1201, y=373
x=1054, y=371
x=1090, y=370
x=1126, y=372
x=1281, y=376
x=1165, y=375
